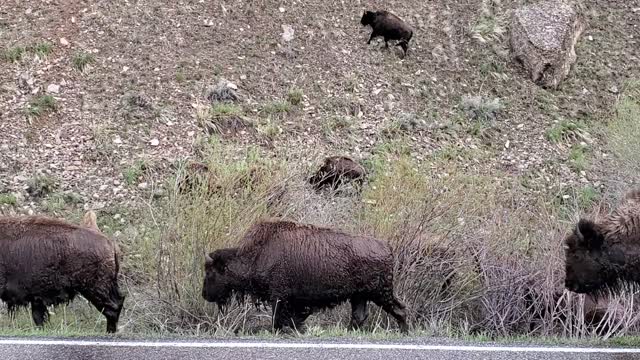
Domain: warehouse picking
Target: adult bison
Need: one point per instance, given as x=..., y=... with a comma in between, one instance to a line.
x=300, y=268
x=605, y=255
x=46, y=261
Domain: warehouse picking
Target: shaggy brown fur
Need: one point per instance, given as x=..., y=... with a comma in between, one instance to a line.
x=605, y=255
x=337, y=170
x=299, y=269
x=45, y=261
x=389, y=26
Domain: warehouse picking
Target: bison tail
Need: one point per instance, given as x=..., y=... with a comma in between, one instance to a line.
x=89, y=220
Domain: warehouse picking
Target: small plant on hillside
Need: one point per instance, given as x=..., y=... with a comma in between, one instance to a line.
x=133, y=173
x=41, y=185
x=42, y=105
x=295, y=96
x=270, y=129
x=82, y=59
x=337, y=123
x=8, y=199
x=480, y=108
x=54, y=203
x=276, y=107
x=223, y=110
x=488, y=27
x=43, y=49
x=13, y=54
x=578, y=158
x=564, y=130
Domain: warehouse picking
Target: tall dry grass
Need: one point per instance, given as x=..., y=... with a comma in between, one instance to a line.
x=473, y=254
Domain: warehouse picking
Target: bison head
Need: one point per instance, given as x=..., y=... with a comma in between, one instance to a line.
x=367, y=18
x=219, y=282
x=591, y=264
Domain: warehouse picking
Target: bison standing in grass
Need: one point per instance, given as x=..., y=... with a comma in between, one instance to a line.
x=300, y=269
x=389, y=26
x=605, y=255
x=45, y=261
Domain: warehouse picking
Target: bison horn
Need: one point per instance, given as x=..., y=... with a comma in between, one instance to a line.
x=579, y=233
x=208, y=259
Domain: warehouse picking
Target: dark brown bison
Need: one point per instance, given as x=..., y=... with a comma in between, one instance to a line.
x=389, y=26
x=337, y=170
x=605, y=255
x=46, y=261
x=299, y=269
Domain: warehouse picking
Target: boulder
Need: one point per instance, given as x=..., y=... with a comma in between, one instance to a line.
x=543, y=39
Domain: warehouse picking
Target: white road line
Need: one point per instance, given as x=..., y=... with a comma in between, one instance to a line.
x=319, y=346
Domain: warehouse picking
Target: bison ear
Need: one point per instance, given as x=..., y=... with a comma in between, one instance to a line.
x=588, y=235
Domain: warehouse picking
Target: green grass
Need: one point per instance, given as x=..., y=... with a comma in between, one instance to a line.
x=43, y=49
x=276, y=107
x=13, y=54
x=41, y=105
x=295, y=96
x=133, y=173
x=82, y=59
x=624, y=129
x=578, y=159
x=222, y=110
x=42, y=185
x=8, y=199
x=562, y=130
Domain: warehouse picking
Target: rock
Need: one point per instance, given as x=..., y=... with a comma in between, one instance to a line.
x=223, y=91
x=154, y=142
x=287, y=33
x=338, y=170
x=64, y=42
x=543, y=39
x=143, y=186
x=53, y=88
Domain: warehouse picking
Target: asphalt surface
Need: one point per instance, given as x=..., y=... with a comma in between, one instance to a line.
x=84, y=349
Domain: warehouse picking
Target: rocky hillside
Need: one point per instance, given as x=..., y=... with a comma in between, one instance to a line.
x=91, y=92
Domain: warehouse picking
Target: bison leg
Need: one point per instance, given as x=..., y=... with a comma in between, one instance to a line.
x=39, y=313
x=359, y=313
x=109, y=303
x=374, y=34
x=396, y=309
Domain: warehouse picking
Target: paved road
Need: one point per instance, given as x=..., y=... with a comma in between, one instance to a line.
x=50, y=349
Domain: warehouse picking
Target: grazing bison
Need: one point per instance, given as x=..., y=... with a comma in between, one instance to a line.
x=605, y=255
x=299, y=269
x=337, y=170
x=46, y=261
x=389, y=26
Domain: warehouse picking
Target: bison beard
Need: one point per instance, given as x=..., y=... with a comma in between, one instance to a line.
x=299, y=269
x=45, y=262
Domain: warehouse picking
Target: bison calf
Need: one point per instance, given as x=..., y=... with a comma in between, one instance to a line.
x=299, y=269
x=337, y=170
x=605, y=255
x=389, y=26
x=45, y=261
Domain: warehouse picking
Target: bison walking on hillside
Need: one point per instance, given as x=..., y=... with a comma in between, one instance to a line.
x=300, y=268
x=389, y=26
x=46, y=261
x=605, y=255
